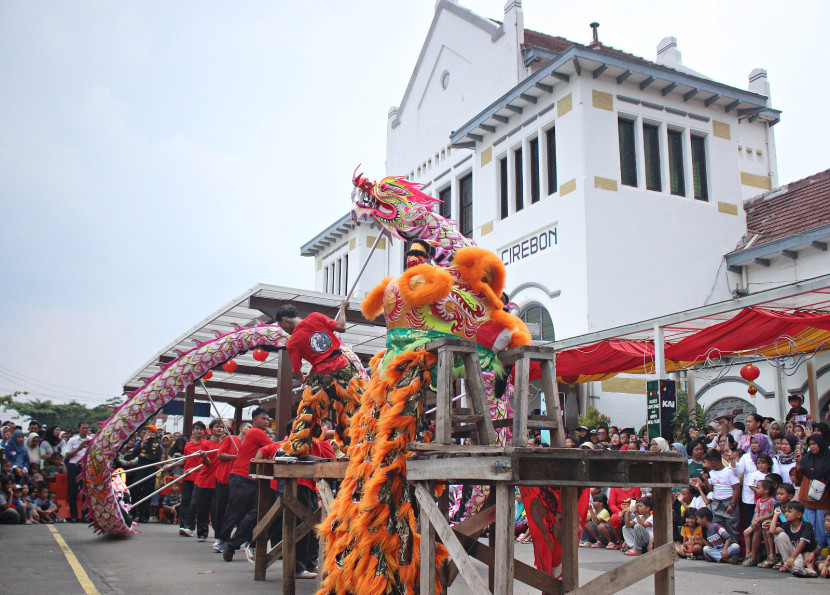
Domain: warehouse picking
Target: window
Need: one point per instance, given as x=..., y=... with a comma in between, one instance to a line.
x=699, y=168
x=326, y=280
x=651, y=145
x=504, y=188
x=345, y=273
x=465, y=214
x=539, y=317
x=445, y=208
x=676, y=174
x=534, y=170
x=550, y=137
x=628, y=159
x=337, y=277
x=518, y=179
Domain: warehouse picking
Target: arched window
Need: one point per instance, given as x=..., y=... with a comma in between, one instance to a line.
x=537, y=315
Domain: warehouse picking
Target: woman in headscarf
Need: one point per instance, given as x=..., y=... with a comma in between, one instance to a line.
x=776, y=429
x=813, y=471
x=680, y=449
x=787, y=456
x=33, y=446
x=52, y=443
x=659, y=445
x=18, y=454
x=823, y=429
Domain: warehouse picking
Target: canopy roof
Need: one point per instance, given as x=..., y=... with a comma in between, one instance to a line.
x=253, y=380
x=783, y=321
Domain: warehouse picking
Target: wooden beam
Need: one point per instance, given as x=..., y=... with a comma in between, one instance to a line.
x=668, y=89
x=505, y=539
x=812, y=393
x=764, y=262
x=820, y=246
x=623, y=77
x=728, y=108
x=514, y=108
x=266, y=519
x=791, y=254
x=478, y=396
x=500, y=118
x=263, y=500
x=240, y=388
x=577, y=67
x=487, y=128
x=690, y=94
x=561, y=76
x=428, y=570
x=544, y=87
x=663, y=536
x=646, y=83
x=289, y=538
x=268, y=306
x=521, y=394
x=598, y=72
x=629, y=573
x=569, y=538
x=451, y=542
x=529, y=98
x=302, y=530
x=710, y=100
x=285, y=395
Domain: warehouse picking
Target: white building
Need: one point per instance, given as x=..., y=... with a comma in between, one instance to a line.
x=612, y=186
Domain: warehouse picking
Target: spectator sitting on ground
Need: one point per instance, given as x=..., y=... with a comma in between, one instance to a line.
x=46, y=509
x=171, y=504
x=795, y=541
x=783, y=496
x=638, y=531
x=691, y=534
x=26, y=507
x=598, y=527
x=720, y=546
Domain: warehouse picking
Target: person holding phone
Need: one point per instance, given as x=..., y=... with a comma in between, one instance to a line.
x=75, y=450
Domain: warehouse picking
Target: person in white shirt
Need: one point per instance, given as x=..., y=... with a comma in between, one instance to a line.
x=726, y=492
x=76, y=448
x=746, y=467
x=639, y=530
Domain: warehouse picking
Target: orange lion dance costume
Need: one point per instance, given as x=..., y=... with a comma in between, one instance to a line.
x=372, y=546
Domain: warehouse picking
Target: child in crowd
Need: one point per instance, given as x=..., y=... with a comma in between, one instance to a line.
x=54, y=466
x=720, y=546
x=783, y=495
x=171, y=504
x=795, y=542
x=764, y=510
x=598, y=526
x=824, y=569
x=726, y=493
x=45, y=508
x=795, y=482
x=638, y=531
x=692, y=536
x=24, y=505
x=700, y=497
x=619, y=500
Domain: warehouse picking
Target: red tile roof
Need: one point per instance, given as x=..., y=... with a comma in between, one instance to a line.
x=560, y=44
x=796, y=207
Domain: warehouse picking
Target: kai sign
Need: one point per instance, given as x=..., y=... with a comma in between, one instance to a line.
x=530, y=245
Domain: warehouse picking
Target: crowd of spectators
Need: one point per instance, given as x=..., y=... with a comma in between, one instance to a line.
x=757, y=495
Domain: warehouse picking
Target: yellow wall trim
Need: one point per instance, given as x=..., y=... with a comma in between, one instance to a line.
x=728, y=208
x=319, y=264
x=486, y=228
x=486, y=156
x=632, y=386
x=605, y=183
x=603, y=100
x=756, y=181
x=565, y=105
x=567, y=187
x=370, y=240
x=352, y=244
x=721, y=130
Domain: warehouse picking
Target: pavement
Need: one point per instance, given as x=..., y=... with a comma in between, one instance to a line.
x=159, y=561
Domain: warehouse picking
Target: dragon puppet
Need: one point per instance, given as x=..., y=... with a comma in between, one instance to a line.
x=372, y=544
x=100, y=490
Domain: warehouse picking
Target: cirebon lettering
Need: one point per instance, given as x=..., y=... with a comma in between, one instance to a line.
x=528, y=247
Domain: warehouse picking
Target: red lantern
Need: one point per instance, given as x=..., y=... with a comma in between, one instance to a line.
x=208, y=375
x=260, y=355
x=229, y=366
x=752, y=390
x=570, y=379
x=750, y=372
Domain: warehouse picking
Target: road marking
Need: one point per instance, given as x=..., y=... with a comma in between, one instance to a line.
x=80, y=573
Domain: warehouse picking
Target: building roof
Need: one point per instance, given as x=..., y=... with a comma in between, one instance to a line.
x=797, y=207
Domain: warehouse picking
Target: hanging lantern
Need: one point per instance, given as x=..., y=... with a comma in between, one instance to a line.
x=208, y=375
x=750, y=372
x=752, y=390
x=570, y=379
x=229, y=366
x=260, y=355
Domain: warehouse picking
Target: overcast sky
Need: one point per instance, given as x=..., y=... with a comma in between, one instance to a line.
x=157, y=159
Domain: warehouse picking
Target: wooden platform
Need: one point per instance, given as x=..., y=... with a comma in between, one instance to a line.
x=289, y=470
x=504, y=468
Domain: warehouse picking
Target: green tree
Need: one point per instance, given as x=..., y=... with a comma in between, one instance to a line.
x=593, y=419
x=66, y=415
x=684, y=417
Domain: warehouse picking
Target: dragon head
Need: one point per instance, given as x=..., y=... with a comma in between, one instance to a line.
x=395, y=203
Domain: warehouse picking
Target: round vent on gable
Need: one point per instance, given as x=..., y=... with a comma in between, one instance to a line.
x=445, y=79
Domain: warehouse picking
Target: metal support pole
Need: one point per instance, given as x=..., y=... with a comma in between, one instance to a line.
x=659, y=353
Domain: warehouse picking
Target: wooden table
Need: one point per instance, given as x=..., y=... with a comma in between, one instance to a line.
x=569, y=470
x=289, y=470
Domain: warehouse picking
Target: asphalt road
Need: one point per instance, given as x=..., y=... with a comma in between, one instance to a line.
x=159, y=561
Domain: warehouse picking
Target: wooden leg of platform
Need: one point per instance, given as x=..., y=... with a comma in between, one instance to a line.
x=570, y=539
x=662, y=499
x=263, y=507
x=326, y=498
x=521, y=394
x=444, y=507
x=505, y=539
x=427, y=552
x=443, y=405
x=289, y=540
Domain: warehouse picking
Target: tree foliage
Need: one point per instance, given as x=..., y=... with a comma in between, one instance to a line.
x=685, y=418
x=593, y=419
x=66, y=415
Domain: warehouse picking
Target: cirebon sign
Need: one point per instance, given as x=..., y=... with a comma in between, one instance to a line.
x=530, y=245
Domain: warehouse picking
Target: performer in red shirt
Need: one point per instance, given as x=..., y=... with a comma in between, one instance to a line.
x=187, y=510
x=333, y=381
x=224, y=461
x=206, y=480
x=241, y=511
